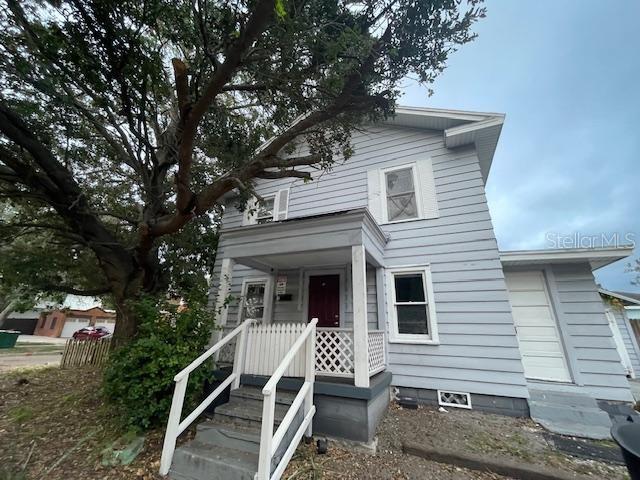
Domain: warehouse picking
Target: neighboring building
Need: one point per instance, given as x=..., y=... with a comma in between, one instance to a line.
x=53, y=319
x=621, y=308
x=395, y=254
x=64, y=323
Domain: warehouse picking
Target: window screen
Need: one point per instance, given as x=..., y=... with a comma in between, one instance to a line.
x=401, y=195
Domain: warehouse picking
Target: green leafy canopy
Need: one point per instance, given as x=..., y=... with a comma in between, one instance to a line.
x=125, y=125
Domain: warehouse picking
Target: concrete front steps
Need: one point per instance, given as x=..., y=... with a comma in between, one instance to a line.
x=228, y=445
x=572, y=414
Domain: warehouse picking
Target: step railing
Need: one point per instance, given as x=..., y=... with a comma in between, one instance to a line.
x=174, y=426
x=269, y=441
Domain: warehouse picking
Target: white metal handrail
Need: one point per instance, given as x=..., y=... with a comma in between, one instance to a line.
x=269, y=442
x=174, y=426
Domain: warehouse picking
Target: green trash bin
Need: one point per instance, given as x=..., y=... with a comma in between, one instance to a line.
x=8, y=338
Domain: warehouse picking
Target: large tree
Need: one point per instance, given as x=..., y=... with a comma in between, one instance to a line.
x=123, y=123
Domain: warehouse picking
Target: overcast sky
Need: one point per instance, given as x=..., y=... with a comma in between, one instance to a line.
x=567, y=75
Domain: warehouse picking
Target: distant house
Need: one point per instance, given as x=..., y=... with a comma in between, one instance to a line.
x=53, y=319
x=64, y=323
x=623, y=313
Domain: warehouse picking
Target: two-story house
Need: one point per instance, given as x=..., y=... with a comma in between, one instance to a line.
x=395, y=255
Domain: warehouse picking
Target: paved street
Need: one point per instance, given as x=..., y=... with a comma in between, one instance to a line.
x=41, y=339
x=11, y=362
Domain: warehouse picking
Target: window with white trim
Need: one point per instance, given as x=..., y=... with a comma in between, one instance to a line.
x=403, y=193
x=273, y=208
x=400, y=193
x=253, y=299
x=265, y=210
x=412, y=313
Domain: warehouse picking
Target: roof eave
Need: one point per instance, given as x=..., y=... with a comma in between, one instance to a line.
x=624, y=298
x=596, y=257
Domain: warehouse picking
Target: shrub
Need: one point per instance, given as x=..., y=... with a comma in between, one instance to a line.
x=138, y=380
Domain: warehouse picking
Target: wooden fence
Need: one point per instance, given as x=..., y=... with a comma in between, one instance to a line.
x=78, y=353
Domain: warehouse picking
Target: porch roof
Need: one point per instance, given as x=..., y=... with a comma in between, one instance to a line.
x=318, y=240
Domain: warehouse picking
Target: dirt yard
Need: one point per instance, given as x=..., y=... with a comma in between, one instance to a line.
x=54, y=425
x=492, y=435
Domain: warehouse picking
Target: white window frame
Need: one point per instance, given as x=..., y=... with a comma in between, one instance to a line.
x=280, y=210
x=267, y=304
x=420, y=339
x=416, y=191
x=274, y=214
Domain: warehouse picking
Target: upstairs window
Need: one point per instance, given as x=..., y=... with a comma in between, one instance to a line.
x=265, y=210
x=401, y=194
x=412, y=311
x=273, y=208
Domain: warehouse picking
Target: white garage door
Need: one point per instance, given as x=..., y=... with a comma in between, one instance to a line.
x=540, y=346
x=111, y=326
x=71, y=326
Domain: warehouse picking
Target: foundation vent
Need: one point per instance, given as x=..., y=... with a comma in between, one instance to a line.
x=454, y=399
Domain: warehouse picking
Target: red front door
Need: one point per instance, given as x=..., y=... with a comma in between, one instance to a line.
x=324, y=299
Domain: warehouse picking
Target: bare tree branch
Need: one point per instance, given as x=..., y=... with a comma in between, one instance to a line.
x=284, y=174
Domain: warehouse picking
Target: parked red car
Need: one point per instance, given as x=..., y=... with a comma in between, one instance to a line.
x=91, y=333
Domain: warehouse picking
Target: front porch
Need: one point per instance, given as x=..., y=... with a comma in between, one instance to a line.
x=327, y=267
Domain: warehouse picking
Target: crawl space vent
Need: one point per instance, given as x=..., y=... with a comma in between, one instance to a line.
x=454, y=399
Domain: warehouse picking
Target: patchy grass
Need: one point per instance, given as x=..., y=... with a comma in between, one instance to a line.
x=20, y=414
x=54, y=425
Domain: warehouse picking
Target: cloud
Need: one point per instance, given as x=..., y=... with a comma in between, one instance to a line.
x=569, y=155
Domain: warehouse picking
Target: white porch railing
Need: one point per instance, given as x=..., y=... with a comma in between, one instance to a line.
x=377, y=353
x=267, y=345
x=174, y=426
x=334, y=352
x=275, y=350
x=270, y=442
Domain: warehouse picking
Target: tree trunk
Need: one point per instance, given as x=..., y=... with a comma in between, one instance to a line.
x=7, y=310
x=127, y=323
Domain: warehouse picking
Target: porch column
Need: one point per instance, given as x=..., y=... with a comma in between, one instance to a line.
x=224, y=288
x=360, y=333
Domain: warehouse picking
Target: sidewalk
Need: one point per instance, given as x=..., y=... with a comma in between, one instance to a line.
x=41, y=339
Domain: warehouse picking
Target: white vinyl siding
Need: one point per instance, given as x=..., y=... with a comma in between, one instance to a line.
x=478, y=350
x=536, y=326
